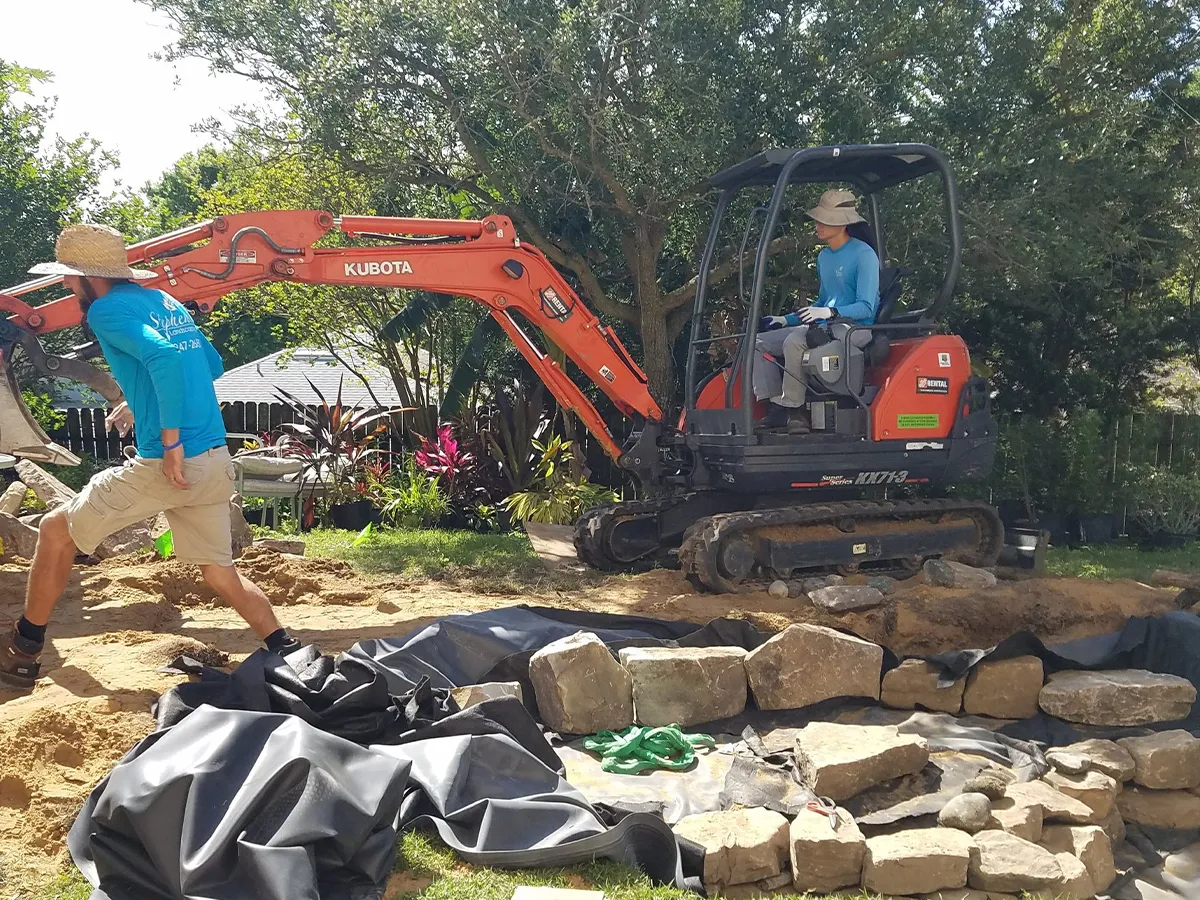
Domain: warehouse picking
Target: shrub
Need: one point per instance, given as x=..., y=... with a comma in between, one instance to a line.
x=1164, y=502
x=414, y=499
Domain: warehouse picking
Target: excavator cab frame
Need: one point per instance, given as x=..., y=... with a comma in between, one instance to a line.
x=870, y=169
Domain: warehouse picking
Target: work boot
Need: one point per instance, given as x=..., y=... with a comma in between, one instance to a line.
x=776, y=417
x=18, y=660
x=799, y=422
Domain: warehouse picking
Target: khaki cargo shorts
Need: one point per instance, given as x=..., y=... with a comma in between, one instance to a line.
x=199, y=517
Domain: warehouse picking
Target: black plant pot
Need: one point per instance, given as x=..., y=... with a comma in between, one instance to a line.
x=353, y=516
x=1098, y=529
x=264, y=516
x=1059, y=527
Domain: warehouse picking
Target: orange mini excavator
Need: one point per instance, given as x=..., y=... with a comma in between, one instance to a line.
x=737, y=502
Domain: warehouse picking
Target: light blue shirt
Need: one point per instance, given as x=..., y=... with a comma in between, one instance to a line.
x=164, y=365
x=849, y=279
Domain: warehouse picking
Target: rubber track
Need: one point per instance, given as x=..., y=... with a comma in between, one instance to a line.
x=702, y=541
x=594, y=525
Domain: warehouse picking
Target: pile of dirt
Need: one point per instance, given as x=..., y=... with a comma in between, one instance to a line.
x=121, y=621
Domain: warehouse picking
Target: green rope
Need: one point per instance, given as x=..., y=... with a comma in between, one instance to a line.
x=639, y=748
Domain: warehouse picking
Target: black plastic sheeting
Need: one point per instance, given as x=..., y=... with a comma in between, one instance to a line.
x=293, y=779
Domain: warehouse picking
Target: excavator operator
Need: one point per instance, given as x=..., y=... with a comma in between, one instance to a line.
x=165, y=367
x=848, y=270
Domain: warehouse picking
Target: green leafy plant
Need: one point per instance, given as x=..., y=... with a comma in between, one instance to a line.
x=1087, y=487
x=555, y=498
x=415, y=499
x=1164, y=502
x=41, y=407
x=334, y=440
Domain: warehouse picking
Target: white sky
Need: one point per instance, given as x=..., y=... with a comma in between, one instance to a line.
x=108, y=86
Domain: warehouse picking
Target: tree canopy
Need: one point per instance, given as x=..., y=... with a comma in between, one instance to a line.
x=595, y=124
x=41, y=189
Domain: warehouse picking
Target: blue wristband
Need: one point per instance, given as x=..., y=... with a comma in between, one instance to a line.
x=178, y=443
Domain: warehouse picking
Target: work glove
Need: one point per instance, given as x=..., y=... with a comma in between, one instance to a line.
x=811, y=314
x=770, y=323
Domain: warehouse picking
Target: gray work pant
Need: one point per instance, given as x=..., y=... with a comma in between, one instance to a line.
x=786, y=387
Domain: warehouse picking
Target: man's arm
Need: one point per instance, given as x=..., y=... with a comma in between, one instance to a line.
x=215, y=364
x=123, y=330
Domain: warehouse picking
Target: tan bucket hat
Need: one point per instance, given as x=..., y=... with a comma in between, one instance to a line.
x=836, y=208
x=95, y=251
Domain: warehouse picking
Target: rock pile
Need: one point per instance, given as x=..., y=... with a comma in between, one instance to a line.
x=997, y=838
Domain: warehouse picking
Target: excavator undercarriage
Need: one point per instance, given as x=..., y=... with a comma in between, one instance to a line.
x=896, y=413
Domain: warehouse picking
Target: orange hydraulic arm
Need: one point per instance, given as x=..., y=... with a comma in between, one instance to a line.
x=480, y=259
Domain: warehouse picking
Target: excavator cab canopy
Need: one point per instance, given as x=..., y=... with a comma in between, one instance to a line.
x=869, y=170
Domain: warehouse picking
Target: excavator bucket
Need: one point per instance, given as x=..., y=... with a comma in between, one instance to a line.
x=20, y=434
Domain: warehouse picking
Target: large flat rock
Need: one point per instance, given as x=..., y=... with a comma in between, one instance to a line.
x=1075, y=883
x=824, y=858
x=914, y=685
x=1108, y=757
x=1117, y=697
x=1159, y=809
x=1087, y=843
x=1097, y=790
x=920, y=861
x=686, y=685
x=17, y=540
x=842, y=761
x=1004, y=862
x=741, y=846
x=1004, y=689
x=1168, y=760
x=805, y=664
x=580, y=688
x=1057, y=807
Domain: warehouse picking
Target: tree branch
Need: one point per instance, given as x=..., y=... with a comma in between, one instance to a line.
x=724, y=271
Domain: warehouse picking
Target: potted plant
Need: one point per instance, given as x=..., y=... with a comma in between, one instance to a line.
x=336, y=442
x=1086, y=486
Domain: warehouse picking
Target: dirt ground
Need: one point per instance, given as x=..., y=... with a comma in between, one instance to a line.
x=122, y=620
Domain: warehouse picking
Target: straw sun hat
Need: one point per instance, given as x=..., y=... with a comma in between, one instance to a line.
x=94, y=251
x=836, y=208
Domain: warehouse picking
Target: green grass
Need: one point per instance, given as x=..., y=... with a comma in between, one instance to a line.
x=1121, y=560
x=435, y=873
x=65, y=887
x=504, y=563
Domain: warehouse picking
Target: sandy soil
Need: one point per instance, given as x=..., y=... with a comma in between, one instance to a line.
x=121, y=621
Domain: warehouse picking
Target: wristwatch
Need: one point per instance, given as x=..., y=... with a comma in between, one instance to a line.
x=833, y=313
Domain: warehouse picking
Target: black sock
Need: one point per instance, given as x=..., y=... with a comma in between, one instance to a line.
x=31, y=632
x=277, y=639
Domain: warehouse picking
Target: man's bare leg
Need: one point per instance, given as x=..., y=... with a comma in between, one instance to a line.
x=51, y=569
x=245, y=597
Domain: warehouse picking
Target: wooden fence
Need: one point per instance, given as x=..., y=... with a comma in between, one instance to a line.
x=84, y=434
x=1166, y=439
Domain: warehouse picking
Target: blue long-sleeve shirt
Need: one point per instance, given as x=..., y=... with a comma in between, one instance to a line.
x=849, y=282
x=164, y=365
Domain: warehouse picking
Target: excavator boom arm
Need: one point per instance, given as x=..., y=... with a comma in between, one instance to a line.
x=480, y=259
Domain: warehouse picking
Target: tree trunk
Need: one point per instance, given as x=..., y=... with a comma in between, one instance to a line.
x=642, y=247
x=656, y=347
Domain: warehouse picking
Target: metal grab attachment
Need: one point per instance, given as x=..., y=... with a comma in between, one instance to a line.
x=20, y=434
x=233, y=246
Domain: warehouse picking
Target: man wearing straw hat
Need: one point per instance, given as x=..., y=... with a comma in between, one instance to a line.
x=848, y=270
x=165, y=367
